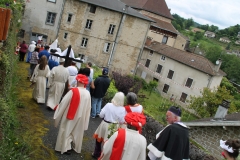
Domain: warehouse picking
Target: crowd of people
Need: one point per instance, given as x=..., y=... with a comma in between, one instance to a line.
x=75, y=97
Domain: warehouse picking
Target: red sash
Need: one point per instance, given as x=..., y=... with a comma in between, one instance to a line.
x=73, y=104
x=128, y=109
x=118, y=145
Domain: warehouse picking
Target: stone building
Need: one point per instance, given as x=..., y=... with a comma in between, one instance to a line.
x=178, y=72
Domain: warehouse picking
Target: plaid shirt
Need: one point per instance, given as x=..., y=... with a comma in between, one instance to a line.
x=34, y=58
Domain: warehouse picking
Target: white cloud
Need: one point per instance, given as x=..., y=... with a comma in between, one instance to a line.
x=222, y=13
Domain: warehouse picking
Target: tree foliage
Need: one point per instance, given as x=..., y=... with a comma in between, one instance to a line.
x=152, y=84
x=207, y=104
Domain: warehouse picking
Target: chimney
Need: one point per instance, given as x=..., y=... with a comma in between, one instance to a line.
x=222, y=110
x=148, y=41
x=218, y=65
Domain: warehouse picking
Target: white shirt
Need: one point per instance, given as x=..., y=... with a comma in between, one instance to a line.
x=31, y=47
x=91, y=73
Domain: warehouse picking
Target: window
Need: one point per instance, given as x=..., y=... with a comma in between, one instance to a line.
x=170, y=74
x=147, y=63
x=155, y=79
x=69, y=19
x=159, y=68
x=92, y=8
x=65, y=35
x=165, y=88
x=163, y=58
x=88, y=24
x=151, y=53
x=51, y=18
x=183, y=97
x=164, y=40
x=189, y=82
x=111, y=29
x=84, y=42
x=54, y=1
x=106, y=47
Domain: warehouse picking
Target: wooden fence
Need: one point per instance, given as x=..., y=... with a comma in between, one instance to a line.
x=5, y=17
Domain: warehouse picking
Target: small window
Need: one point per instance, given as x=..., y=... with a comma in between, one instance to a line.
x=189, y=82
x=159, y=68
x=147, y=63
x=51, y=18
x=165, y=88
x=88, y=24
x=170, y=74
x=165, y=39
x=150, y=53
x=92, y=8
x=65, y=35
x=84, y=42
x=69, y=19
x=54, y=1
x=183, y=97
x=106, y=47
x=163, y=58
x=111, y=29
x=155, y=79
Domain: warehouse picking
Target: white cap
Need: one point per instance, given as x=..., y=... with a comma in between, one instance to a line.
x=62, y=60
x=33, y=42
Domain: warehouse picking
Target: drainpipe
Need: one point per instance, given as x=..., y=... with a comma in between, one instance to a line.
x=117, y=37
x=209, y=81
x=141, y=50
x=60, y=18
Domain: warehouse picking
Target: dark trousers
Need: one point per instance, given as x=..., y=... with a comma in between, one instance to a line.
x=21, y=55
x=98, y=149
x=32, y=67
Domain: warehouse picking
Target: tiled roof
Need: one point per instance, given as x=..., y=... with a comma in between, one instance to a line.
x=190, y=59
x=158, y=7
x=228, y=117
x=117, y=6
x=163, y=25
x=208, y=32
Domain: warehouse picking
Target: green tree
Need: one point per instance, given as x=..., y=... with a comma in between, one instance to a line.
x=152, y=84
x=198, y=36
x=229, y=86
x=207, y=104
x=228, y=46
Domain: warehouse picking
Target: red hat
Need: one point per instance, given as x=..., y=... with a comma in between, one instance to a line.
x=82, y=79
x=135, y=119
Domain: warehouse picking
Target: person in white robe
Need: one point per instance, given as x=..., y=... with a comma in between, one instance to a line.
x=38, y=79
x=56, y=83
x=72, y=73
x=74, y=113
x=127, y=144
x=112, y=113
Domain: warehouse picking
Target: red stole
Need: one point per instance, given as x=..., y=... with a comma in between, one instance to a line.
x=118, y=145
x=73, y=104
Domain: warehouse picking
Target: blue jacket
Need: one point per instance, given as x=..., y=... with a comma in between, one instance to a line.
x=101, y=85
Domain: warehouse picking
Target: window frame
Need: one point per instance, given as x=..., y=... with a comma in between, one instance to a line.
x=49, y=23
x=92, y=8
x=187, y=85
x=52, y=1
x=165, y=39
x=111, y=29
x=65, y=35
x=163, y=58
x=158, y=69
x=150, y=52
x=163, y=90
x=149, y=61
x=70, y=18
x=183, y=98
x=169, y=76
x=84, y=42
x=89, y=24
x=106, y=47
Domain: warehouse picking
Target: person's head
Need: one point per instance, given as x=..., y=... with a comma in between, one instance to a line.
x=36, y=49
x=33, y=42
x=173, y=115
x=43, y=62
x=61, y=61
x=135, y=120
x=230, y=148
x=86, y=71
x=131, y=98
x=89, y=64
x=105, y=71
x=82, y=80
x=46, y=48
x=81, y=71
x=53, y=50
x=118, y=99
x=23, y=42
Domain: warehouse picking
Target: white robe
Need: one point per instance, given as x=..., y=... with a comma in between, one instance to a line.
x=134, y=147
x=39, y=77
x=72, y=130
x=58, y=77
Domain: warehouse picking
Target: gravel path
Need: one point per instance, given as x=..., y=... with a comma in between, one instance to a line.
x=50, y=138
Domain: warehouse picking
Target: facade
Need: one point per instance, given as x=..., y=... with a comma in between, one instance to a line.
x=179, y=73
x=41, y=18
x=107, y=32
x=225, y=39
x=209, y=34
x=196, y=30
x=162, y=29
x=237, y=42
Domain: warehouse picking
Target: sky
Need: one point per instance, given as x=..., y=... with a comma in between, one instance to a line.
x=221, y=13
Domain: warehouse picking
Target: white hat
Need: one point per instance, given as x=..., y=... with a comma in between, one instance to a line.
x=33, y=42
x=62, y=60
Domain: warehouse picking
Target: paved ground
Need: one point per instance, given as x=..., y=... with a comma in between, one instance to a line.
x=88, y=143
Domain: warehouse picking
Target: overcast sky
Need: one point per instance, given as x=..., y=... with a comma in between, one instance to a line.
x=221, y=13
